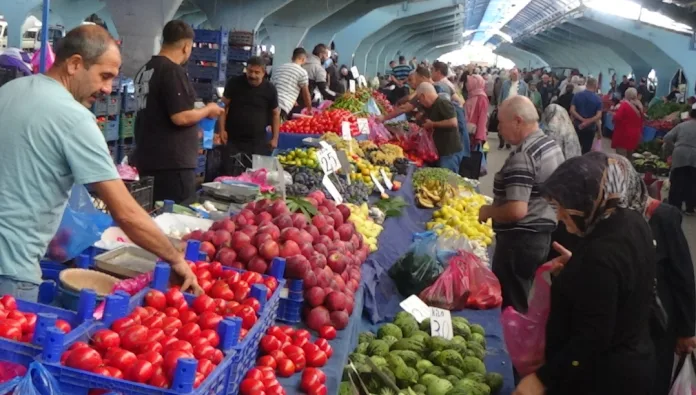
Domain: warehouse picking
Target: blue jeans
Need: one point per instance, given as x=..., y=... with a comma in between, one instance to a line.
x=19, y=289
x=463, y=133
x=451, y=161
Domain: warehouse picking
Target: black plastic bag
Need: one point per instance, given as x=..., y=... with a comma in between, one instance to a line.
x=419, y=267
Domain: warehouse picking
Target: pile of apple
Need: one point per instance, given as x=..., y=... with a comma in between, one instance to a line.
x=146, y=345
x=19, y=326
x=325, y=251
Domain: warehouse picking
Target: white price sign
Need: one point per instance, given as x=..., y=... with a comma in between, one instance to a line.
x=351, y=86
x=332, y=189
x=416, y=307
x=328, y=160
x=345, y=131
x=440, y=323
x=387, y=181
x=363, y=126
x=379, y=186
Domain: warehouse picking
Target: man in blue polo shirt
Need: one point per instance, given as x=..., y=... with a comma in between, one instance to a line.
x=586, y=110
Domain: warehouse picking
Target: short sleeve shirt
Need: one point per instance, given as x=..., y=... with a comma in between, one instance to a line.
x=520, y=179
x=587, y=103
x=250, y=109
x=45, y=147
x=289, y=80
x=447, y=140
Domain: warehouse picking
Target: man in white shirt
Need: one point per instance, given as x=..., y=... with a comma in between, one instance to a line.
x=511, y=87
x=290, y=79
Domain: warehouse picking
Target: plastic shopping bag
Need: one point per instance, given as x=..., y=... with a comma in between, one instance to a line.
x=419, y=267
x=484, y=287
x=130, y=285
x=208, y=127
x=37, y=381
x=10, y=371
x=684, y=382
x=422, y=142
x=525, y=334
x=36, y=60
x=371, y=107
x=451, y=290
x=597, y=145
x=82, y=225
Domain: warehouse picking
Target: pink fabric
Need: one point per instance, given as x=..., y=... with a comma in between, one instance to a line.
x=477, y=107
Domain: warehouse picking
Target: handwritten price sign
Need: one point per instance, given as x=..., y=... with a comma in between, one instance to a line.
x=440, y=323
x=416, y=307
x=328, y=160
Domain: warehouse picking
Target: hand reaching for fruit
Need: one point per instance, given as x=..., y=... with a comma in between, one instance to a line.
x=182, y=268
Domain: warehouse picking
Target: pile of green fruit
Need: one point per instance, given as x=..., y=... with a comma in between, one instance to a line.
x=420, y=364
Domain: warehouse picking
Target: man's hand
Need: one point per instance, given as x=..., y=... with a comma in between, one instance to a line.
x=559, y=262
x=214, y=110
x=685, y=345
x=182, y=268
x=428, y=124
x=224, y=137
x=530, y=385
x=273, y=143
x=485, y=213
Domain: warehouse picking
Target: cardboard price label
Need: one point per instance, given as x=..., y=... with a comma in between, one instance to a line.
x=387, y=181
x=332, y=189
x=379, y=186
x=441, y=323
x=363, y=126
x=416, y=307
x=328, y=160
x=345, y=131
x=351, y=86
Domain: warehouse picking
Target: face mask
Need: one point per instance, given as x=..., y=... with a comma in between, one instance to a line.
x=327, y=63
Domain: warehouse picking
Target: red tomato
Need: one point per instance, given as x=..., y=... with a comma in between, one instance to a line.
x=274, y=330
x=102, y=370
x=202, y=265
x=310, y=348
x=242, y=333
x=248, y=316
x=241, y=290
x=168, y=339
x=19, y=317
x=205, y=367
x=209, y=320
x=139, y=313
x=231, y=276
x=198, y=380
x=171, y=312
x=77, y=345
x=134, y=337
x=122, y=360
x=8, y=302
x=153, y=357
x=121, y=324
x=189, y=331
x=269, y=343
x=3, y=313
x=288, y=330
x=110, y=353
x=31, y=321
x=205, y=284
x=254, y=373
x=319, y=389
x=318, y=372
x=179, y=345
x=327, y=332
x=159, y=381
x=302, y=333
x=284, y=339
x=310, y=378
x=323, y=344
x=286, y=368
x=250, y=387
x=84, y=359
x=216, y=269
x=292, y=351
x=155, y=299
x=174, y=298
x=270, y=382
x=64, y=357
x=221, y=290
x=300, y=341
x=141, y=371
x=105, y=339
x=188, y=316
x=212, y=337
x=151, y=310
x=218, y=356
x=275, y=390
x=252, y=278
x=203, y=351
x=170, y=325
x=153, y=321
x=316, y=359
x=203, y=303
x=10, y=329
x=271, y=283
x=220, y=305
x=170, y=360
x=156, y=347
x=267, y=360
x=278, y=355
x=254, y=303
x=203, y=275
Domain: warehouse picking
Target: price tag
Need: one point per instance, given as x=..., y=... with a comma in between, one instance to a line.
x=363, y=126
x=328, y=160
x=351, y=86
x=416, y=307
x=685, y=115
x=345, y=164
x=332, y=189
x=387, y=181
x=379, y=186
x=440, y=323
x=345, y=131
x=354, y=71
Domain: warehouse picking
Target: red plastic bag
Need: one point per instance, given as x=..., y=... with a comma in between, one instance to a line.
x=422, y=142
x=10, y=370
x=525, y=334
x=484, y=287
x=130, y=285
x=451, y=290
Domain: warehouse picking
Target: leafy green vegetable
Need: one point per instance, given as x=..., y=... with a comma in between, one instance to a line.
x=302, y=205
x=391, y=207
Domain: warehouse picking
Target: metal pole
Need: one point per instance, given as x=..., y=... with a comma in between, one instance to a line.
x=44, y=35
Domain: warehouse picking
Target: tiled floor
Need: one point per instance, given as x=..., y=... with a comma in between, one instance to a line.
x=496, y=158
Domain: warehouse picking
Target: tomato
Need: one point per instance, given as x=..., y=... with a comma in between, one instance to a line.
x=310, y=348
x=269, y=343
x=271, y=283
x=286, y=368
x=292, y=351
x=203, y=303
x=171, y=312
x=179, y=345
x=241, y=290
x=319, y=389
x=64, y=357
x=153, y=321
x=252, y=278
x=267, y=360
x=202, y=265
x=188, y=316
x=174, y=298
x=254, y=303
x=220, y=305
x=102, y=370
x=114, y=372
x=212, y=337
x=154, y=346
x=275, y=390
x=218, y=356
x=278, y=355
x=254, y=373
x=84, y=359
x=205, y=367
x=105, y=339
x=300, y=341
x=156, y=299
x=203, y=351
x=8, y=302
x=153, y=357
x=133, y=337
x=110, y=353
x=323, y=344
x=231, y=276
x=141, y=371
x=121, y=324
x=242, y=333
x=31, y=321
x=216, y=269
x=3, y=313
x=77, y=345
x=270, y=382
x=318, y=372
x=170, y=360
x=209, y=320
x=10, y=329
x=159, y=381
x=18, y=316
x=284, y=339
x=221, y=290
x=122, y=360
x=288, y=330
x=302, y=333
x=170, y=325
x=189, y=331
x=203, y=275
x=250, y=387
x=316, y=359
x=139, y=313
x=198, y=380
x=327, y=332
x=248, y=316
x=310, y=378
x=168, y=339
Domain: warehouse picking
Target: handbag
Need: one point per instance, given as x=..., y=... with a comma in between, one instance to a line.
x=658, y=317
x=493, y=121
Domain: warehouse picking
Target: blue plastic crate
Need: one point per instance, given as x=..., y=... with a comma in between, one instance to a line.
x=201, y=161
x=204, y=90
x=130, y=104
x=101, y=106
x=649, y=133
x=209, y=36
x=205, y=55
x=113, y=104
x=204, y=72
x=291, y=300
x=125, y=150
x=238, y=54
x=235, y=69
x=111, y=130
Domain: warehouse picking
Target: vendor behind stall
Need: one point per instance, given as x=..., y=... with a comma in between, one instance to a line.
x=441, y=120
x=45, y=152
x=252, y=104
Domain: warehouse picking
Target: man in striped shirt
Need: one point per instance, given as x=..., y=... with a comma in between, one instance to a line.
x=291, y=80
x=400, y=73
x=522, y=219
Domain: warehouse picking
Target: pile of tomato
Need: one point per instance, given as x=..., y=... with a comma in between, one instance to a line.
x=327, y=121
x=286, y=351
x=145, y=346
x=19, y=326
x=227, y=284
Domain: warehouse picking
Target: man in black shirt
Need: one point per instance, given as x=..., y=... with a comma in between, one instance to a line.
x=625, y=84
x=252, y=105
x=166, y=125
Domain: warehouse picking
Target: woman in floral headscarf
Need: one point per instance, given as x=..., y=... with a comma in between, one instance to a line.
x=556, y=123
x=597, y=334
x=477, y=108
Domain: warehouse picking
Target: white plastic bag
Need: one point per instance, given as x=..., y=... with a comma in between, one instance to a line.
x=685, y=381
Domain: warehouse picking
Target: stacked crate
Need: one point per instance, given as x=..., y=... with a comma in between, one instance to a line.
x=207, y=67
x=240, y=45
x=126, y=143
x=107, y=109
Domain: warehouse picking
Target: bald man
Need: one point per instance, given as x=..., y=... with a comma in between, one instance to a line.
x=441, y=120
x=45, y=152
x=522, y=219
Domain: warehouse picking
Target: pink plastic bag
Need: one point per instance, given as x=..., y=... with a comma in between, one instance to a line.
x=130, y=285
x=257, y=177
x=597, y=145
x=36, y=59
x=451, y=290
x=525, y=334
x=10, y=370
x=484, y=287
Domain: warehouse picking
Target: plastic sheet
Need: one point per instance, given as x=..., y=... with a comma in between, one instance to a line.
x=258, y=177
x=130, y=285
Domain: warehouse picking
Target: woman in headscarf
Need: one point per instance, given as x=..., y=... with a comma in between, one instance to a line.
x=556, y=123
x=597, y=333
x=566, y=98
x=477, y=108
x=628, y=124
